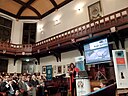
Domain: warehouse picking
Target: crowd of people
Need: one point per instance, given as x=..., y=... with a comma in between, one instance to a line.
x=30, y=84
x=22, y=85
x=34, y=84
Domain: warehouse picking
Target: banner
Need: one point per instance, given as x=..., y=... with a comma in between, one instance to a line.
x=121, y=68
x=49, y=72
x=79, y=62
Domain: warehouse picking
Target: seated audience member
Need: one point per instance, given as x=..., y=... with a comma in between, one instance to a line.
x=1, y=80
x=9, y=87
x=103, y=83
x=108, y=88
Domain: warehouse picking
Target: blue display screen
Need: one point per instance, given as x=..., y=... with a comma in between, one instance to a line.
x=97, y=52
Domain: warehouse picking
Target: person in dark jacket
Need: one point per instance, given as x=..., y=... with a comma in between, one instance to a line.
x=9, y=86
x=35, y=84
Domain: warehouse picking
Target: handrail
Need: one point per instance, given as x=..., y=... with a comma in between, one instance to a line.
x=106, y=22
x=93, y=27
x=107, y=18
x=15, y=48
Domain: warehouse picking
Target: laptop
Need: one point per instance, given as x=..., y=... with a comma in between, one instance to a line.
x=83, y=73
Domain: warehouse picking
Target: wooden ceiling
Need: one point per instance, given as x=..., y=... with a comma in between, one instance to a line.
x=30, y=9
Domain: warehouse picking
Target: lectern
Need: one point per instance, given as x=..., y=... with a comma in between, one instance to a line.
x=82, y=85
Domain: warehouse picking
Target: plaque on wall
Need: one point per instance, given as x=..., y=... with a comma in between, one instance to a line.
x=95, y=11
x=43, y=69
x=59, y=69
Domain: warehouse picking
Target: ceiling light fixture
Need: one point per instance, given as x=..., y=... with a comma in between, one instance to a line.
x=79, y=7
x=40, y=28
x=27, y=60
x=56, y=19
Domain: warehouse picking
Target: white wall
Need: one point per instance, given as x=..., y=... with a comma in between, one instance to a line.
x=66, y=58
x=70, y=18
x=18, y=66
x=110, y=6
x=14, y=68
x=11, y=67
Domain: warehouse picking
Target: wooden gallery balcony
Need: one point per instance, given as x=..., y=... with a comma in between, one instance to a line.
x=117, y=20
x=15, y=49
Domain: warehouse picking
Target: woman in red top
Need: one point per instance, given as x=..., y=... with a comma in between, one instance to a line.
x=73, y=71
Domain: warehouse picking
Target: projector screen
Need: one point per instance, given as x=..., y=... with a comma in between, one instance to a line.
x=97, y=52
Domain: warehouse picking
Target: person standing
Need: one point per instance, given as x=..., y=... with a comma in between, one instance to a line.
x=73, y=70
x=23, y=86
x=35, y=84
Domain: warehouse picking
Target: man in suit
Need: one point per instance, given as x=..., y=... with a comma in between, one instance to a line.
x=23, y=86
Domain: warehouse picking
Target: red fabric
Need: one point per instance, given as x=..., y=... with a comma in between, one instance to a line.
x=72, y=77
x=77, y=69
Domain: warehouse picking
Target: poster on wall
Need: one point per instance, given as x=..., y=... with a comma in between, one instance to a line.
x=79, y=62
x=54, y=69
x=121, y=68
x=68, y=67
x=49, y=72
x=95, y=11
x=82, y=86
x=43, y=69
x=59, y=69
x=64, y=69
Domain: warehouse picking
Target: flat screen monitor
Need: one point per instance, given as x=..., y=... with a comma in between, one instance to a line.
x=97, y=52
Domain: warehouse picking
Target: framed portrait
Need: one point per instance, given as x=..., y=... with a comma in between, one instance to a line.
x=63, y=66
x=95, y=11
x=68, y=67
x=64, y=69
x=54, y=68
x=43, y=69
x=59, y=69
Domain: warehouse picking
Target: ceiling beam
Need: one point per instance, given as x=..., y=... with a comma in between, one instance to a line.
x=39, y=16
x=64, y=3
x=58, y=6
x=8, y=13
x=54, y=4
x=24, y=6
x=48, y=12
x=29, y=17
x=27, y=5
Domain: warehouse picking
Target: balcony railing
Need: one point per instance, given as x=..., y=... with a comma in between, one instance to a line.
x=99, y=26
x=96, y=27
x=15, y=49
